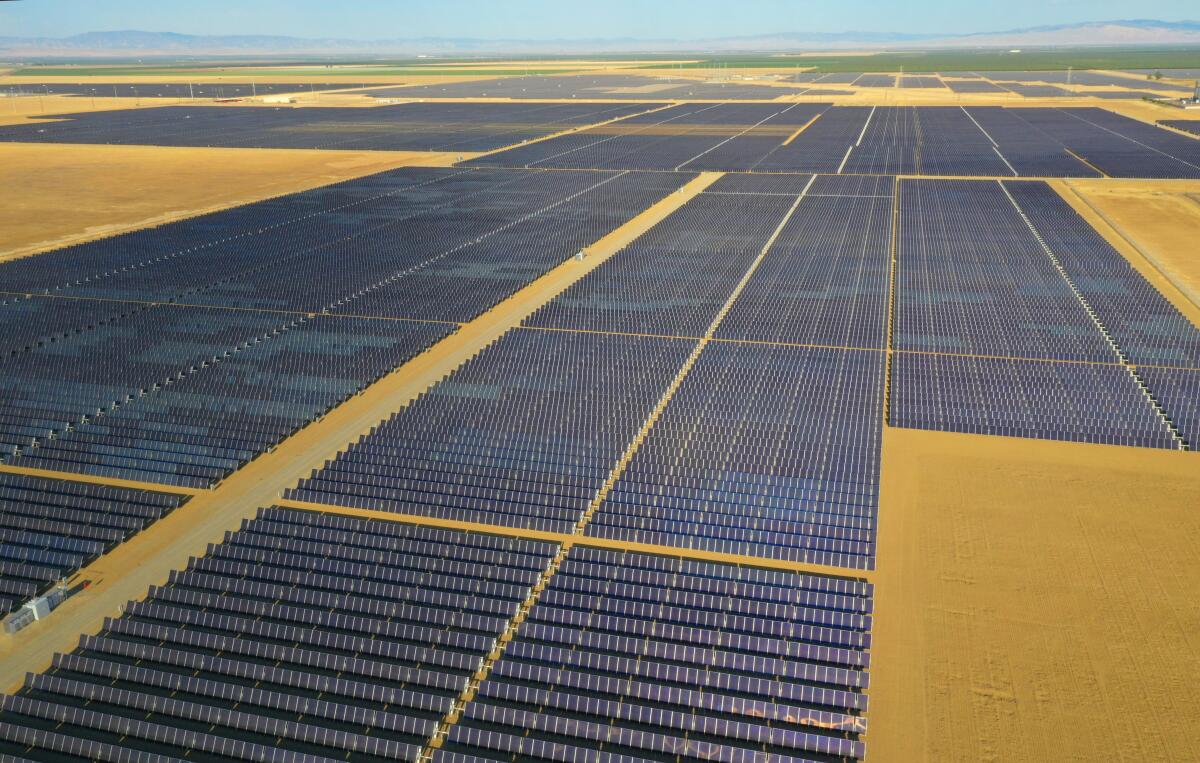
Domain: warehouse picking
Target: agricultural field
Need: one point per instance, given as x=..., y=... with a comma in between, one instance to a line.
x=655, y=408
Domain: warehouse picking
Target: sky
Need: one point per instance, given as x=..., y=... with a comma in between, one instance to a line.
x=558, y=19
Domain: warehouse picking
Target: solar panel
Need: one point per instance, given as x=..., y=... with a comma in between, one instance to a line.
x=684, y=680
x=325, y=669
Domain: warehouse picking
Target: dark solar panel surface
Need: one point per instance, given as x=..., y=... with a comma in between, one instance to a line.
x=675, y=278
x=825, y=279
x=1082, y=402
x=973, y=279
x=185, y=395
x=817, y=138
x=764, y=450
x=973, y=86
x=1028, y=150
x=410, y=126
x=690, y=136
x=302, y=636
x=1080, y=78
x=50, y=528
x=1187, y=125
x=524, y=434
x=625, y=87
x=197, y=416
x=1142, y=322
x=636, y=657
x=151, y=90
x=1117, y=145
x=1178, y=392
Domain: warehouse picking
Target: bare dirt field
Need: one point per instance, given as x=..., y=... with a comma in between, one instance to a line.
x=61, y=194
x=1160, y=218
x=1036, y=601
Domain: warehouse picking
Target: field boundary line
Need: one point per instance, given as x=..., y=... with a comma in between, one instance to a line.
x=571, y=539
x=1086, y=163
x=802, y=128
x=891, y=308
x=1077, y=199
x=93, y=479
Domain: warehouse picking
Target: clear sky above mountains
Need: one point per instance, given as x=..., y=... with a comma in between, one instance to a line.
x=550, y=19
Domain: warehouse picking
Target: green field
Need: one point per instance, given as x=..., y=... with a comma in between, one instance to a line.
x=970, y=60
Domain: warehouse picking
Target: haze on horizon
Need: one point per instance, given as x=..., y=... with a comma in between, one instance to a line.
x=551, y=19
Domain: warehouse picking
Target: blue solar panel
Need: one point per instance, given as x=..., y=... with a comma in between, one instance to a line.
x=638, y=656
x=302, y=634
x=523, y=434
x=765, y=450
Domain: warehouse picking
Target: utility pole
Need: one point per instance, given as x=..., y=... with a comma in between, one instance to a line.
x=1070, y=71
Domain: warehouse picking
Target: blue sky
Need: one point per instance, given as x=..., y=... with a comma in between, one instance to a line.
x=552, y=19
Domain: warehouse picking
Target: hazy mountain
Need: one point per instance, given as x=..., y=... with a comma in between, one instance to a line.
x=126, y=43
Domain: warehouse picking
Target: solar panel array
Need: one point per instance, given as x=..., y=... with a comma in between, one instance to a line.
x=976, y=141
x=1187, y=125
x=303, y=636
x=103, y=377
x=227, y=405
x=151, y=90
x=826, y=279
x=625, y=87
x=673, y=279
x=696, y=136
x=522, y=435
x=403, y=127
x=1084, y=402
x=635, y=657
x=974, y=279
x=50, y=528
x=764, y=450
x=716, y=387
x=1023, y=321
x=1116, y=145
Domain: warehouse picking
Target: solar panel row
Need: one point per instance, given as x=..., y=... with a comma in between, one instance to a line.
x=825, y=281
x=1187, y=125
x=50, y=528
x=625, y=87
x=303, y=636
x=630, y=656
x=1148, y=328
x=1029, y=151
x=211, y=418
x=1084, y=402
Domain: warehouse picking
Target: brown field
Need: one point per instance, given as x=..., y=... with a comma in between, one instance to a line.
x=72, y=193
x=1160, y=219
x=1035, y=601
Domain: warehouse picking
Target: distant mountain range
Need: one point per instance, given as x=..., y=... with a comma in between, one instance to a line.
x=126, y=43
